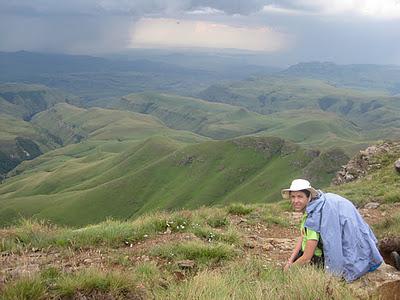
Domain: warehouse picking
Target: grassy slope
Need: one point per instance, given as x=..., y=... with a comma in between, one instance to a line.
x=24, y=100
x=313, y=128
x=374, y=111
x=139, y=259
x=89, y=185
x=19, y=141
x=218, y=121
x=381, y=185
x=71, y=124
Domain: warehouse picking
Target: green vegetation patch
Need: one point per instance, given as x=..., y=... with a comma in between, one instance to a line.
x=256, y=280
x=91, y=283
x=239, y=209
x=390, y=226
x=112, y=233
x=195, y=250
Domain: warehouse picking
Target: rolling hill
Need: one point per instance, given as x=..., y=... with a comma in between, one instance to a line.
x=310, y=127
x=19, y=139
x=374, y=112
x=82, y=183
x=360, y=76
x=25, y=100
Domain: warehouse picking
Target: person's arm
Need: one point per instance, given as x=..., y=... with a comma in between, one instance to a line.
x=309, y=250
x=294, y=253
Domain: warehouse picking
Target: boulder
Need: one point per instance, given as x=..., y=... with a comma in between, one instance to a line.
x=186, y=264
x=397, y=165
x=383, y=283
x=372, y=205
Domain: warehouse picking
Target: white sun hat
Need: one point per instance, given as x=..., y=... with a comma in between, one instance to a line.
x=298, y=185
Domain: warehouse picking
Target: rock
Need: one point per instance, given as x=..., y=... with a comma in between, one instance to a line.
x=390, y=244
x=186, y=264
x=268, y=247
x=368, y=160
x=372, y=205
x=397, y=165
x=249, y=244
x=384, y=283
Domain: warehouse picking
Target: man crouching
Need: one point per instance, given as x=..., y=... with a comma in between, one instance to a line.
x=333, y=233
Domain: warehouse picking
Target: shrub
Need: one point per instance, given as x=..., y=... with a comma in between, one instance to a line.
x=239, y=209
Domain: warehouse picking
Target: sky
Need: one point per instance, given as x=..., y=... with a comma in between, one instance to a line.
x=288, y=31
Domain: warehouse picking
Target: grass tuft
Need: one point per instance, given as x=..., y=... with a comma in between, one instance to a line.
x=24, y=289
x=198, y=251
x=239, y=209
x=255, y=280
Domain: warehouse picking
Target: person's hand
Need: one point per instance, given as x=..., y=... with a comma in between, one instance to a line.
x=287, y=266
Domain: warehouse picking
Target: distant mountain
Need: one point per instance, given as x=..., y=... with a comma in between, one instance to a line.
x=23, y=64
x=374, y=112
x=25, y=100
x=378, y=77
x=95, y=77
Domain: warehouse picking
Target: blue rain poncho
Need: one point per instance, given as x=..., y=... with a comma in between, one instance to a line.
x=349, y=245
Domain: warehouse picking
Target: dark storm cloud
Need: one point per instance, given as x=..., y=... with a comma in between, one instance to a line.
x=338, y=30
x=137, y=7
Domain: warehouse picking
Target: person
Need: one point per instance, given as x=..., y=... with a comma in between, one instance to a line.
x=333, y=233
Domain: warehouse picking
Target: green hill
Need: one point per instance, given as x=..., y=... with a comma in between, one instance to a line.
x=311, y=128
x=361, y=76
x=72, y=124
x=25, y=100
x=81, y=184
x=215, y=120
x=19, y=141
x=375, y=113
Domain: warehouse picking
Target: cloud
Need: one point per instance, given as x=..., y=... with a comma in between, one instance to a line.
x=136, y=7
x=163, y=32
x=205, y=11
x=272, y=8
x=377, y=9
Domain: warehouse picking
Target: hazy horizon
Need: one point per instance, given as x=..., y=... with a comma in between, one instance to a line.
x=284, y=32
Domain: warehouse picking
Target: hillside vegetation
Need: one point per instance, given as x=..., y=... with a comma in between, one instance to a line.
x=374, y=112
x=25, y=100
x=361, y=76
x=209, y=253
x=82, y=183
x=310, y=128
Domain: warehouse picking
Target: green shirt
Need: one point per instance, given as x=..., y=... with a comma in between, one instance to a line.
x=308, y=235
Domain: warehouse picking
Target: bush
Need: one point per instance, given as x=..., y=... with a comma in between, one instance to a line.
x=239, y=209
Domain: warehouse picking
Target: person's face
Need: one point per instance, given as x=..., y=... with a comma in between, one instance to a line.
x=299, y=201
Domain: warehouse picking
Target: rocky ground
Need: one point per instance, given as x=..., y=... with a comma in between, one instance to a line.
x=273, y=243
